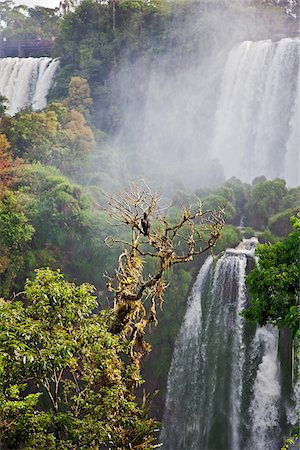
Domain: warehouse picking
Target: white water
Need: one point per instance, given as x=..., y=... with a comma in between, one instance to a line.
x=264, y=408
x=238, y=348
x=26, y=81
x=224, y=387
x=236, y=112
x=257, y=117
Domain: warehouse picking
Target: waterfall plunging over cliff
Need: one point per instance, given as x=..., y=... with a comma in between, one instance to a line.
x=224, y=389
x=235, y=112
x=26, y=81
x=258, y=113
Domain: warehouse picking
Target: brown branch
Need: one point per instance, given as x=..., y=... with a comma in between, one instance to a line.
x=129, y=286
x=47, y=386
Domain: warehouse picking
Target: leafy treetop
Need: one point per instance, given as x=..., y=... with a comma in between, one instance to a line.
x=56, y=348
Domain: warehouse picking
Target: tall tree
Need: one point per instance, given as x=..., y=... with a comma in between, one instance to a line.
x=79, y=95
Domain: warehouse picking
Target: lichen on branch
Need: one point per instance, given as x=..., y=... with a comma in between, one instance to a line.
x=166, y=240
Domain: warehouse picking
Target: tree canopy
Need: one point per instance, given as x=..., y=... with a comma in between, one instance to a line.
x=62, y=378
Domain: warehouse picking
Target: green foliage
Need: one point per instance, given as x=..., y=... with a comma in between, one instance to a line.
x=267, y=237
x=54, y=204
x=280, y=224
x=274, y=288
x=79, y=95
x=56, y=347
x=274, y=283
x=249, y=232
x=264, y=201
x=33, y=134
x=291, y=199
x=293, y=439
x=3, y=105
x=90, y=48
x=216, y=200
x=230, y=238
x=15, y=232
x=44, y=20
x=258, y=180
x=239, y=196
x=68, y=231
x=21, y=22
x=57, y=135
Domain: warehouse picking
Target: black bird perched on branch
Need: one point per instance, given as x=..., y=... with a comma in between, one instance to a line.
x=145, y=223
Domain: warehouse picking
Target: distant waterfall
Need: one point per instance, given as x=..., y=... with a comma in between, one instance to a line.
x=224, y=382
x=258, y=113
x=26, y=81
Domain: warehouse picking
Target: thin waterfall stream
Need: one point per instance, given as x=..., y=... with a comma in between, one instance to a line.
x=224, y=388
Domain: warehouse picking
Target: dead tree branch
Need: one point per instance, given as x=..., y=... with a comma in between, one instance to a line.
x=169, y=240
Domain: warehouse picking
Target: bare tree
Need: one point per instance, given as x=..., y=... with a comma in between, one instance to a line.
x=152, y=235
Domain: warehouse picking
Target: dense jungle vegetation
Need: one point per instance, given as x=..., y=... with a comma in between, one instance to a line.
x=50, y=216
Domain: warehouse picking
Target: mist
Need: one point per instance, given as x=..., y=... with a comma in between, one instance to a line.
x=204, y=110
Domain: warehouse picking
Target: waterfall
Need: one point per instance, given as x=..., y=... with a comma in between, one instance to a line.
x=235, y=113
x=264, y=408
x=26, y=81
x=258, y=111
x=224, y=382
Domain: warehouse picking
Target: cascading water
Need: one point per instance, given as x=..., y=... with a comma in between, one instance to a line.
x=224, y=387
x=236, y=112
x=258, y=112
x=264, y=407
x=26, y=81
